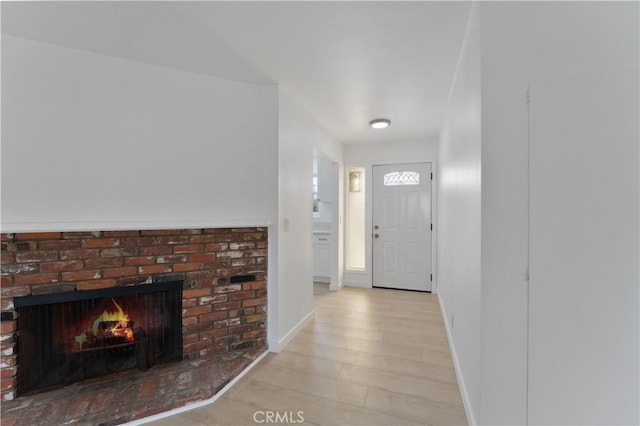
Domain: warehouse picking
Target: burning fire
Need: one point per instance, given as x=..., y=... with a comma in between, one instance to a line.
x=110, y=327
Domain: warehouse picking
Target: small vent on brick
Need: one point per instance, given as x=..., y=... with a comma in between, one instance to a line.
x=242, y=278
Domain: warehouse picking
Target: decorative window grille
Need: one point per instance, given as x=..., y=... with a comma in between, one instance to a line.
x=401, y=178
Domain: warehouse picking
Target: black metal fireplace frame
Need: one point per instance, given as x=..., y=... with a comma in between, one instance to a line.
x=75, y=296
x=50, y=368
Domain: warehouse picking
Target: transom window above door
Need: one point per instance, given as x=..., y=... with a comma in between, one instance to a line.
x=401, y=178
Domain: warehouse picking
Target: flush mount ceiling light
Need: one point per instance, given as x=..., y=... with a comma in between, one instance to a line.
x=380, y=123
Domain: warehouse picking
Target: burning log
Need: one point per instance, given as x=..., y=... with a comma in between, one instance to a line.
x=110, y=328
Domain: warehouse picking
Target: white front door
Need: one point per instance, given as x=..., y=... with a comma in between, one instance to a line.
x=402, y=226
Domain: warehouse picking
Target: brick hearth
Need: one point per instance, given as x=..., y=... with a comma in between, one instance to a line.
x=130, y=395
x=224, y=323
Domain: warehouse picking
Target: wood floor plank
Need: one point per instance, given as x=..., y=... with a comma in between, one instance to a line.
x=409, y=323
x=415, y=408
x=301, y=346
x=337, y=322
x=309, y=364
x=388, y=305
x=386, y=314
x=364, y=345
x=312, y=384
x=429, y=342
x=432, y=390
x=406, y=327
x=430, y=371
x=437, y=358
x=327, y=328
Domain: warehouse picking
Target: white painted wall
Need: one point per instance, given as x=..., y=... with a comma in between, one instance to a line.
x=524, y=42
x=366, y=156
x=175, y=35
x=583, y=250
x=299, y=133
x=459, y=197
x=88, y=138
x=389, y=153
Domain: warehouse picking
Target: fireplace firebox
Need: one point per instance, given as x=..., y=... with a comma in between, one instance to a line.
x=72, y=336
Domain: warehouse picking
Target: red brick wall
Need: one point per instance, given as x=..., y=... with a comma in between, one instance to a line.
x=217, y=316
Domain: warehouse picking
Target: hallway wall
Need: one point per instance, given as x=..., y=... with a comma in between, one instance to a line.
x=525, y=42
x=299, y=133
x=459, y=192
x=483, y=241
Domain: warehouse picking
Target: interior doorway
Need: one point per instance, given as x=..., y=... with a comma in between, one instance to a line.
x=325, y=220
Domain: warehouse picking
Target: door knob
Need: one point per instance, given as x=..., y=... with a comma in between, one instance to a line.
x=376, y=227
x=376, y=236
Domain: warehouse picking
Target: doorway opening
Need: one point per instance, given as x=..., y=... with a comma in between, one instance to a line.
x=325, y=220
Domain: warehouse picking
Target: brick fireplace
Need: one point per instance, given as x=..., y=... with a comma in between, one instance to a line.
x=224, y=300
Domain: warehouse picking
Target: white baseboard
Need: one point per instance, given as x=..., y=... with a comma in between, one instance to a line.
x=337, y=287
x=199, y=403
x=277, y=345
x=471, y=418
x=359, y=284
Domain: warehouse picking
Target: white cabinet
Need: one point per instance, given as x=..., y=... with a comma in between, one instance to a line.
x=322, y=257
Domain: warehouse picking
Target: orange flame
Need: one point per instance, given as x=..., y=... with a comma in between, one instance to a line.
x=120, y=316
x=119, y=326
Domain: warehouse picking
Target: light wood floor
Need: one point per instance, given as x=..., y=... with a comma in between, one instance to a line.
x=370, y=357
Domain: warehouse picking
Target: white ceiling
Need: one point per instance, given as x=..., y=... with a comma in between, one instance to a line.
x=344, y=62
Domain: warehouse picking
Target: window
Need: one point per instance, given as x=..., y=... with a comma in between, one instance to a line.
x=401, y=178
x=355, y=219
